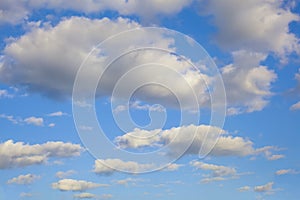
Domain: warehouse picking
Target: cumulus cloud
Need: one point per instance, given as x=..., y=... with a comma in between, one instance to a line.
x=65, y=174
x=128, y=181
x=219, y=172
x=23, y=179
x=247, y=83
x=75, y=185
x=17, y=154
x=267, y=188
x=47, y=58
x=177, y=138
x=37, y=121
x=84, y=195
x=256, y=26
x=108, y=166
x=286, y=171
x=13, y=11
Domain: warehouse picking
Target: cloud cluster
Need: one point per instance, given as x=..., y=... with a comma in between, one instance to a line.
x=75, y=185
x=17, y=154
x=286, y=171
x=65, y=174
x=219, y=172
x=23, y=179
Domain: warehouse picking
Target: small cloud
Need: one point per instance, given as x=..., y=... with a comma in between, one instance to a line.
x=57, y=114
x=244, y=189
x=286, y=171
x=84, y=195
x=267, y=188
x=37, y=121
x=68, y=173
x=75, y=185
x=295, y=106
x=23, y=179
x=51, y=125
x=106, y=196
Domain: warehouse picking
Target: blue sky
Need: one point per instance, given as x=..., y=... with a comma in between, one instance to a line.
x=204, y=104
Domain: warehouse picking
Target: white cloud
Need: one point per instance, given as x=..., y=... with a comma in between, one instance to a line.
x=247, y=83
x=172, y=167
x=57, y=114
x=20, y=155
x=244, y=189
x=68, y=173
x=286, y=171
x=75, y=185
x=14, y=11
x=267, y=151
x=267, y=188
x=23, y=179
x=139, y=106
x=33, y=58
x=84, y=195
x=51, y=125
x=128, y=181
x=5, y=94
x=37, y=121
x=295, y=106
x=108, y=166
x=10, y=118
x=177, y=138
x=219, y=172
x=256, y=26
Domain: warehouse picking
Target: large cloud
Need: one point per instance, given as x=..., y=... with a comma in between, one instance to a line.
x=257, y=25
x=177, y=137
x=203, y=137
x=14, y=11
x=20, y=155
x=47, y=58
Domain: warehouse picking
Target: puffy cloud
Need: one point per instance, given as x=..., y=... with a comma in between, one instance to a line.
x=75, y=185
x=244, y=189
x=61, y=174
x=267, y=151
x=108, y=166
x=257, y=25
x=5, y=94
x=46, y=60
x=14, y=11
x=20, y=155
x=23, y=179
x=219, y=172
x=286, y=171
x=37, y=121
x=247, y=83
x=178, y=137
x=84, y=195
x=172, y=167
x=267, y=188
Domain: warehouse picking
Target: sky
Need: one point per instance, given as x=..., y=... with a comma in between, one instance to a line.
x=153, y=99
